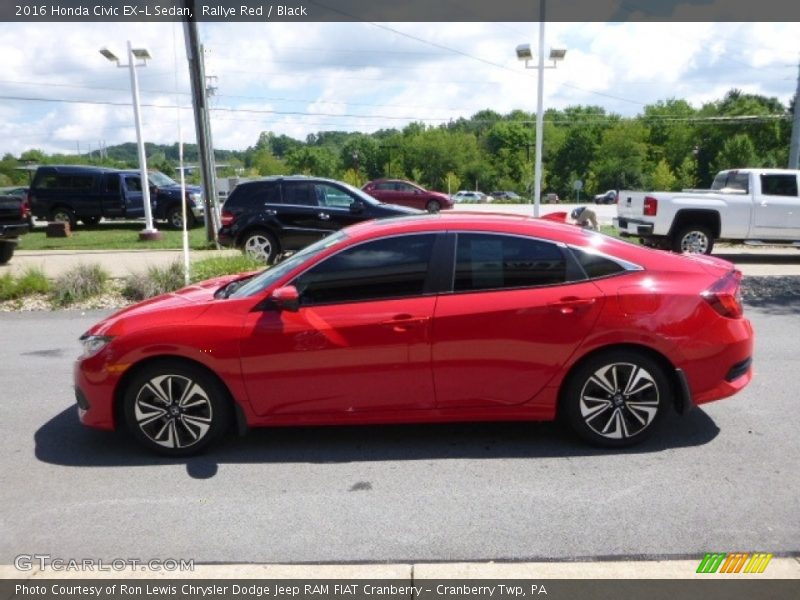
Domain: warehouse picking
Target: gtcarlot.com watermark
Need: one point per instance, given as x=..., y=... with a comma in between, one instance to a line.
x=47, y=562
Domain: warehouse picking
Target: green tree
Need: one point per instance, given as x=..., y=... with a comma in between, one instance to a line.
x=663, y=178
x=621, y=158
x=737, y=152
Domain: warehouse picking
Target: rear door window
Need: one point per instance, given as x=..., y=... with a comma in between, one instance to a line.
x=299, y=193
x=491, y=262
x=779, y=185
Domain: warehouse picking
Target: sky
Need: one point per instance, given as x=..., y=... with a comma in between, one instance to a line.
x=301, y=78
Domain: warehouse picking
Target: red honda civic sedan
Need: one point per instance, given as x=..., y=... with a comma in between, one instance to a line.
x=455, y=317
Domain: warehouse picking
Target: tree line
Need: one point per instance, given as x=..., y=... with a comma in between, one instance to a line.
x=670, y=145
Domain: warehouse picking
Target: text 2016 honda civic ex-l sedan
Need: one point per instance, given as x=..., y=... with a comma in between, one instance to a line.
x=453, y=317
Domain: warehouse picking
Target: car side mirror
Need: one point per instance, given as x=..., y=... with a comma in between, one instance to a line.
x=357, y=206
x=286, y=298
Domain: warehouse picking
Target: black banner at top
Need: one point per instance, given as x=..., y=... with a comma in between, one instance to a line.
x=400, y=10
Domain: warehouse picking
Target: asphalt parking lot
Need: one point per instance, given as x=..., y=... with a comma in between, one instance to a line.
x=723, y=478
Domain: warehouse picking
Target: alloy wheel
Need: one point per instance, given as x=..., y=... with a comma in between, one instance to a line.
x=259, y=246
x=619, y=401
x=694, y=242
x=173, y=411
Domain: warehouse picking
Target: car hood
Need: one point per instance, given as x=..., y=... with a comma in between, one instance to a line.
x=194, y=189
x=181, y=306
x=396, y=209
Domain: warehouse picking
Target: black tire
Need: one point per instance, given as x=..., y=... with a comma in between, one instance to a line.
x=616, y=398
x=260, y=244
x=6, y=251
x=175, y=408
x=434, y=206
x=63, y=214
x=89, y=221
x=693, y=239
x=175, y=217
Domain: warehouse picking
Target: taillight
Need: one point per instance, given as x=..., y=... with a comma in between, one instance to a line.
x=227, y=218
x=24, y=209
x=725, y=296
x=650, y=206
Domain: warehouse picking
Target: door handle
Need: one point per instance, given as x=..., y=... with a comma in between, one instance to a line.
x=405, y=322
x=324, y=216
x=567, y=306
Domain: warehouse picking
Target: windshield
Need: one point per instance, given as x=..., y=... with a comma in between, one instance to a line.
x=731, y=182
x=266, y=278
x=158, y=179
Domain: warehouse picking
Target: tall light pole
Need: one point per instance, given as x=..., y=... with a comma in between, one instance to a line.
x=149, y=232
x=556, y=54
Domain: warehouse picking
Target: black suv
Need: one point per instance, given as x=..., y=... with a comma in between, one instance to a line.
x=269, y=216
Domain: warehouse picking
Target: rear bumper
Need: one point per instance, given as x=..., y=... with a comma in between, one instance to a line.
x=12, y=232
x=633, y=226
x=721, y=364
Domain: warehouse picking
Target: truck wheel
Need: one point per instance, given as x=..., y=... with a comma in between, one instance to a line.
x=61, y=214
x=693, y=239
x=6, y=251
x=175, y=218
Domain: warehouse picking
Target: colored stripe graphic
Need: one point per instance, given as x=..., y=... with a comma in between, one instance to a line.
x=734, y=562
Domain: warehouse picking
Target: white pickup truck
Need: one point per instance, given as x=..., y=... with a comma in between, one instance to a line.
x=754, y=206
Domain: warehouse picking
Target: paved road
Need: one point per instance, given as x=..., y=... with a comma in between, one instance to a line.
x=724, y=478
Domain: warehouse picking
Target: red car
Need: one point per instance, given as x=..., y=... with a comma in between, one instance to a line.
x=405, y=193
x=460, y=317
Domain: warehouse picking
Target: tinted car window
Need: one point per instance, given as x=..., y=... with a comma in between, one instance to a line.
x=112, y=183
x=779, y=185
x=255, y=193
x=486, y=262
x=299, y=193
x=595, y=265
x=133, y=184
x=389, y=268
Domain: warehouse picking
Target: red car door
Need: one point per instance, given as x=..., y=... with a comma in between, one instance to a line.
x=359, y=342
x=511, y=323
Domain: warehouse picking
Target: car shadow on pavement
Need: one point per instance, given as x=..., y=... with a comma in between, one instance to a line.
x=64, y=441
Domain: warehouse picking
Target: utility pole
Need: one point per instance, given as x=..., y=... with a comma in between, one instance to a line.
x=205, y=147
x=794, y=146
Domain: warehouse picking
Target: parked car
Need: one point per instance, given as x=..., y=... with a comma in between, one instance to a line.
x=270, y=216
x=469, y=196
x=79, y=193
x=463, y=317
x=610, y=197
x=19, y=192
x=14, y=221
x=512, y=196
x=406, y=193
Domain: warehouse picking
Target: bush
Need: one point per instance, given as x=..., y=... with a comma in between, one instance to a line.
x=79, y=284
x=32, y=281
x=156, y=281
x=218, y=266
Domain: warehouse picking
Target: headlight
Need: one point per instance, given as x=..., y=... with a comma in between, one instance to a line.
x=195, y=197
x=92, y=344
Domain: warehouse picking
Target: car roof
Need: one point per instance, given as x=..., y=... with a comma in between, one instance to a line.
x=278, y=178
x=79, y=169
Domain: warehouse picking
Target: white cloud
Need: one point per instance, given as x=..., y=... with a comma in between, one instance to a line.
x=299, y=78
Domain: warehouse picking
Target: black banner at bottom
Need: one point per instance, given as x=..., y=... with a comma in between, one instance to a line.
x=397, y=589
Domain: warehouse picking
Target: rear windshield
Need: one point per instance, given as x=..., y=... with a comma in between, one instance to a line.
x=732, y=182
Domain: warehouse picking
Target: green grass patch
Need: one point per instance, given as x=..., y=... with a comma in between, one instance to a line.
x=161, y=280
x=112, y=236
x=79, y=284
x=32, y=281
x=218, y=266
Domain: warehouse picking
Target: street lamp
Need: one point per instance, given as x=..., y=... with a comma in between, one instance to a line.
x=556, y=54
x=141, y=54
